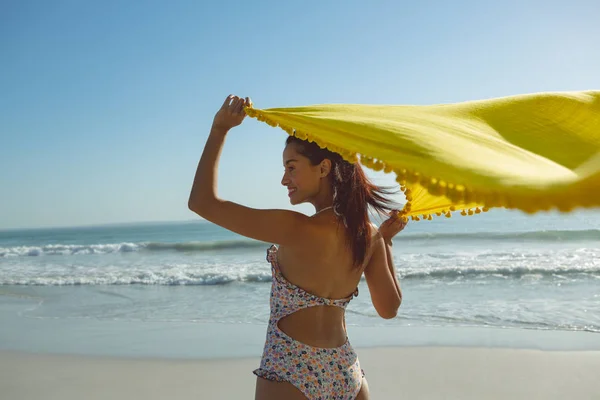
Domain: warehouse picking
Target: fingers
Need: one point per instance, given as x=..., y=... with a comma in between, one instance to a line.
x=236, y=104
x=227, y=101
x=230, y=101
x=395, y=223
x=393, y=213
x=399, y=224
x=393, y=216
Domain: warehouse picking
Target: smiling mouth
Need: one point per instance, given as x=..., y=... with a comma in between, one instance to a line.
x=291, y=191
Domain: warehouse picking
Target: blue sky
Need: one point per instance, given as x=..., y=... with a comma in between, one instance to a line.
x=105, y=106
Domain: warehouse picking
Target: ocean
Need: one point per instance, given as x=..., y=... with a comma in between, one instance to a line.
x=499, y=269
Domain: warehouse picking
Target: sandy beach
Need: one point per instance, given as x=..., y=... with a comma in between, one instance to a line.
x=393, y=373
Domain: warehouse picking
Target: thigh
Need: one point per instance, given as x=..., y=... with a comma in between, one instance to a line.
x=364, y=391
x=271, y=390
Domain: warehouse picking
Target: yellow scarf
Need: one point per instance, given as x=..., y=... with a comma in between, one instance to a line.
x=529, y=152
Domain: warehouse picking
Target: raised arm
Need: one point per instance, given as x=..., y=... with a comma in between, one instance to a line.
x=273, y=226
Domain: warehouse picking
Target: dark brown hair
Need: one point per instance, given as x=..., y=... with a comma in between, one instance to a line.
x=353, y=193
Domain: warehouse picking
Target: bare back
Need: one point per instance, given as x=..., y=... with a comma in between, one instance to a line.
x=321, y=265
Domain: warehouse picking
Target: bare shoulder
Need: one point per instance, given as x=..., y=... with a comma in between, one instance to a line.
x=374, y=236
x=373, y=228
x=374, y=232
x=284, y=227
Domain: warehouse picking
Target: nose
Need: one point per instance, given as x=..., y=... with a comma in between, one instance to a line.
x=285, y=180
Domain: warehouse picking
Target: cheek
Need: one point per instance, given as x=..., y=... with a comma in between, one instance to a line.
x=307, y=182
x=296, y=180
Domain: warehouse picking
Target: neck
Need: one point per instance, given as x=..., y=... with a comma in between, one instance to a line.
x=322, y=209
x=324, y=199
x=322, y=204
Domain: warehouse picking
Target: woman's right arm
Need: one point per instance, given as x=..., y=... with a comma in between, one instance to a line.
x=283, y=227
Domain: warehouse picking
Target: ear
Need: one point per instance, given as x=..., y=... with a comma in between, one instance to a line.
x=325, y=167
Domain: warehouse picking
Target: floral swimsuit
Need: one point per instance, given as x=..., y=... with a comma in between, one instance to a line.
x=319, y=373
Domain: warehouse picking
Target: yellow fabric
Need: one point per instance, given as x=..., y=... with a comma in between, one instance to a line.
x=529, y=152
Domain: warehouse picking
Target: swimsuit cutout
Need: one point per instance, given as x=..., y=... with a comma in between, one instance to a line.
x=319, y=373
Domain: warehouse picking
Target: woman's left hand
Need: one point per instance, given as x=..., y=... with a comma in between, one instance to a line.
x=392, y=226
x=231, y=113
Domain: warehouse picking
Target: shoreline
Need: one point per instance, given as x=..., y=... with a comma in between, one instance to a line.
x=392, y=372
x=204, y=340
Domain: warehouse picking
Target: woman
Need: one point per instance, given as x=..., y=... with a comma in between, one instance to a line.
x=317, y=266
